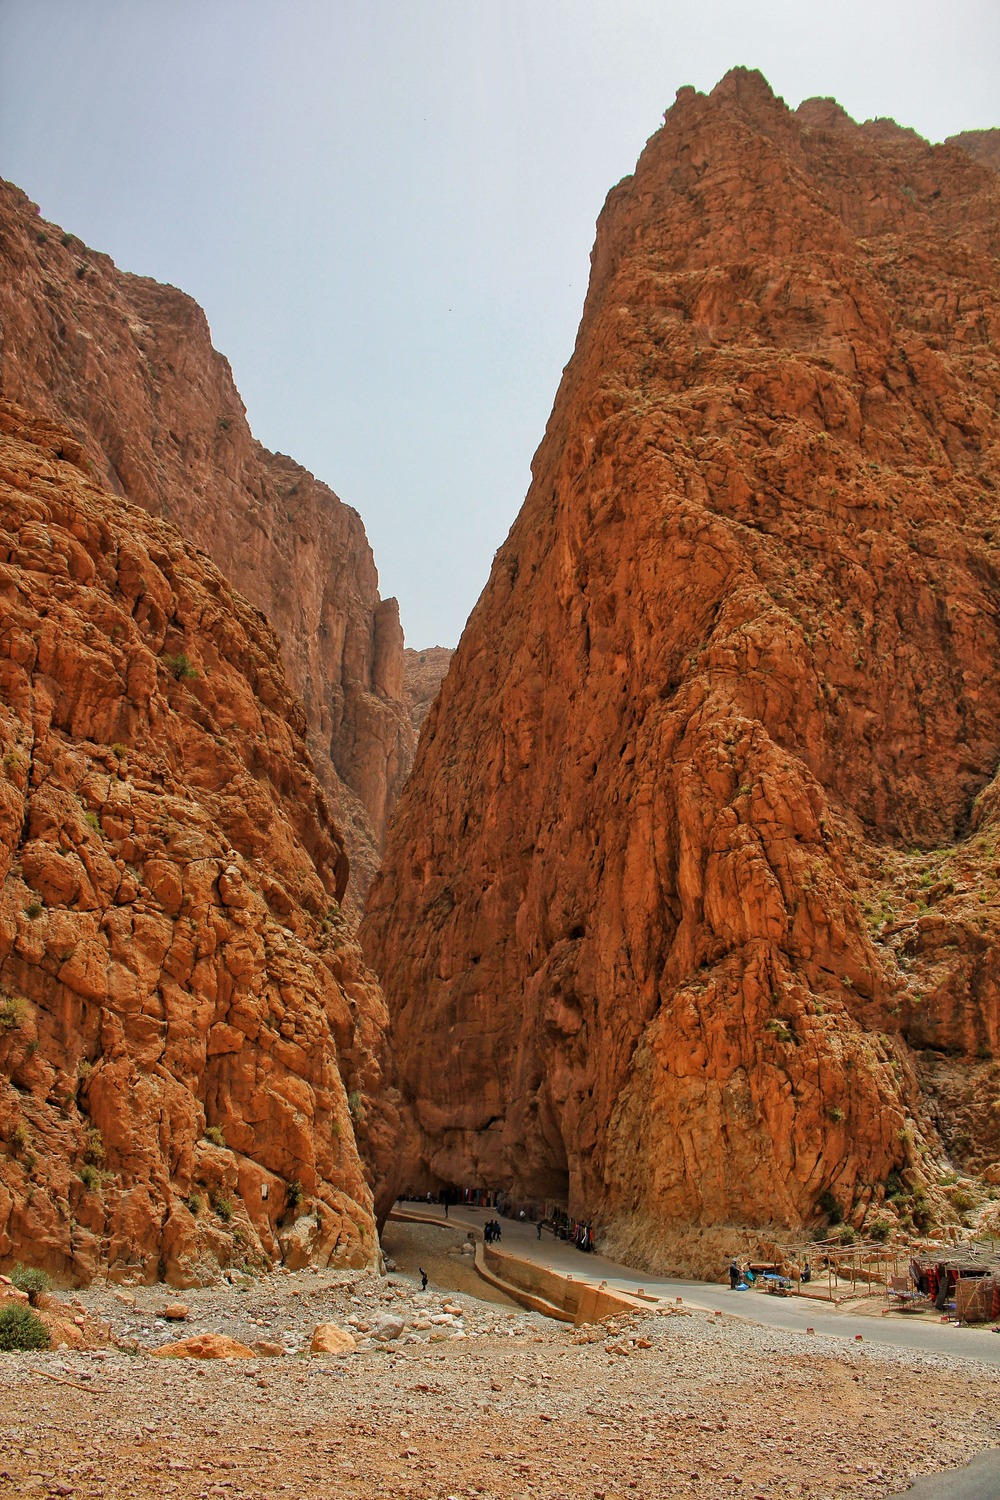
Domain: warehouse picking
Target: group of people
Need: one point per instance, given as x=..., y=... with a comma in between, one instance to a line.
x=491, y=1232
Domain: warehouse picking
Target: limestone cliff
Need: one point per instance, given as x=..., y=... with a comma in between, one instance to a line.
x=423, y=674
x=129, y=365
x=982, y=145
x=693, y=887
x=189, y=1040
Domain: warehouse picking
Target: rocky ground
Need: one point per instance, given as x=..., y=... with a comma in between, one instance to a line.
x=474, y=1400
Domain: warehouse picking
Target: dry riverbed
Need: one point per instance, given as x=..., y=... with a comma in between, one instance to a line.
x=480, y=1401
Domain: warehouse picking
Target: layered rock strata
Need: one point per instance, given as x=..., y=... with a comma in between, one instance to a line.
x=129, y=365
x=694, y=883
x=189, y=1040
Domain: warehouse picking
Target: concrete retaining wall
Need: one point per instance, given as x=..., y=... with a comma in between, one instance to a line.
x=554, y=1293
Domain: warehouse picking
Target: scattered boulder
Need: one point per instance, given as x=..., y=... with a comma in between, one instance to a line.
x=205, y=1346
x=387, y=1326
x=329, y=1339
x=175, y=1312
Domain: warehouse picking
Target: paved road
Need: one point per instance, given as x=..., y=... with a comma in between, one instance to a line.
x=795, y=1314
x=979, y=1480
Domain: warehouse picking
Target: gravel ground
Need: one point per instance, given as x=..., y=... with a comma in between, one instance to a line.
x=487, y=1403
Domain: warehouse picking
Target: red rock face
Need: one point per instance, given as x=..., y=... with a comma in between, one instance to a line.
x=696, y=867
x=187, y=1034
x=129, y=364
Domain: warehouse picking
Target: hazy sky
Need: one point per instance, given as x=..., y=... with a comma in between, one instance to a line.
x=386, y=207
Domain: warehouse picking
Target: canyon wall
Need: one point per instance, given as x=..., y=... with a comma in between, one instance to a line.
x=191, y=1048
x=689, y=912
x=129, y=365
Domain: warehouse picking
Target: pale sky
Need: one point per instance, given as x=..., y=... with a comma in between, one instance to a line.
x=386, y=207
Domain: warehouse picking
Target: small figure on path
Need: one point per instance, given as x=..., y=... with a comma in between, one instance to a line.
x=538, y=1230
x=806, y=1273
x=734, y=1274
x=423, y=1278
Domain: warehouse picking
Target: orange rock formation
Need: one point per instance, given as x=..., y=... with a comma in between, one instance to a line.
x=693, y=891
x=188, y=1036
x=129, y=365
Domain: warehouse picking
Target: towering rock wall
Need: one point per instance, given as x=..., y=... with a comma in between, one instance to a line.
x=129, y=364
x=694, y=883
x=191, y=1049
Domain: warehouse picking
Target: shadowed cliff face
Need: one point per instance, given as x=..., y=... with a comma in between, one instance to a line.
x=129, y=364
x=699, y=847
x=189, y=1041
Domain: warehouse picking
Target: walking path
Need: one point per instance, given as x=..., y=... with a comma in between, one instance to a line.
x=794, y=1314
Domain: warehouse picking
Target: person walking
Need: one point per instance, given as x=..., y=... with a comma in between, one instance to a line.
x=423, y=1278
x=734, y=1274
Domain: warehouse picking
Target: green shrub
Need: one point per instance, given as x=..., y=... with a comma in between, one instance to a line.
x=95, y=1147
x=180, y=666
x=34, y=909
x=20, y=1328
x=962, y=1201
x=295, y=1195
x=214, y=1134
x=91, y=821
x=894, y=1187
x=13, y=1010
x=195, y=1204
x=828, y=1205
x=67, y=239
x=90, y=1177
x=354, y=1103
x=31, y=1279
x=223, y=1207
x=835, y=1113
